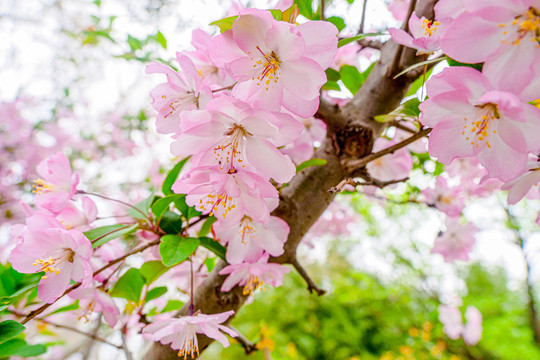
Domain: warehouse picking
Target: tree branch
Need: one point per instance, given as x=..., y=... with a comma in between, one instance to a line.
x=312, y=286
x=306, y=196
x=248, y=346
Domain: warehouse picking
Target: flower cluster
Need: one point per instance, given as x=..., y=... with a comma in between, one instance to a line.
x=240, y=104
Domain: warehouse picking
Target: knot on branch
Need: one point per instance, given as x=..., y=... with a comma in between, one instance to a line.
x=353, y=141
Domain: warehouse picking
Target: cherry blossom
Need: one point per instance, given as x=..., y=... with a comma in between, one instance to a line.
x=76, y=218
x=449, y=200
x=450, y=317
x=229, y=195
x=393, y=166
x=425, y=37
x=182, y=91
x=276, y=63
x=63, y=255
x=526, y=184
x=57, y=183
x=456, y=242
x=253, y=275
x=399, y=8
x=231, y=134
x=504, y=35
x=471, y=116
x=96, y=300
x=182, y=333
x=472, y=332
x=248, y=239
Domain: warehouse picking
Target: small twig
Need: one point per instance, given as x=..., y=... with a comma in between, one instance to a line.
x=369, y=181
x=359, y=163
x=248, y=346
x=82, y=192
x=367, y=43
x=312, y=286
x=363, y=18
x=397, y=124
x=91, y=336
x=225, y=88
x=342, y=184
x=322, y=9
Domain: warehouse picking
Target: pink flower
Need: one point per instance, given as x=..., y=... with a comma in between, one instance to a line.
x=248, y=239
x=393, y=166
x=253, y=275
x=95, y=300
x=525, y=184
x=78, y=219
x=182, y=91
x=231, y=134
x=503, y=34
x=302, y=148
x=449, y=200
x=456, y=242
x=472, y=332
x=182, y=333
x=399, y=8
x=57, y=183
x=471, y=116
x=229, y=195
x=276, y=63
x=450, y=317
x=425, y=34
x=63, y=255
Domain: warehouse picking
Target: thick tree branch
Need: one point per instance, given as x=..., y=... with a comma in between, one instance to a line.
x=306, y=196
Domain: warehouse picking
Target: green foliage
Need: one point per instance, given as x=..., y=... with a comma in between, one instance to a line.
x=172, y=176
x=161, y=205
x=14, y=285
x=351, y=39
x=152, y=270
x=104, y=234
x=352, y=78
x=214, y=246
x=224, y=24
x=337, y=21
x=19, y=347
x=174, y=249
x=207, y=226
x=452, y=62
x=143, y=206
x=9, y=329
x=155, y=293
x=129, y=286
x=305, y=8
x=171, y=222
x=310, y=162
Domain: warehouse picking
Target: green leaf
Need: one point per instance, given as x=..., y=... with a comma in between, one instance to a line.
x=331, y=85
x=129, y=286
x=277, y=14
x=332, y=75
x=70, y=307
x=104, y=234
x=171, y=222
x=290, y=14
x=161, y=39
x=174, y=249
x=160, y=206
x=306, y=9
x=423, y=63
x=452, y=62
x=9, y=329
x=349, y=40
x=351, y=77
x=224, y=24
x=207, y=226
x=210, y=263
x=134, y=43
x=155, y=293
x=410, y=108
x=172, y=176
x=310, y=162
x=214, y=246
x=8, y=300
x=173, y=305
x=152, y=270
x=143, y=206
x=19, y=347
x=337, y=21
x=418, y=83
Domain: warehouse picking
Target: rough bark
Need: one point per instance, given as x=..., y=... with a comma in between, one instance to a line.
x=351, y=133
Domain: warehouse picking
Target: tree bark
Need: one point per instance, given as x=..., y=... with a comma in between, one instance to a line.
x=351, y=133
